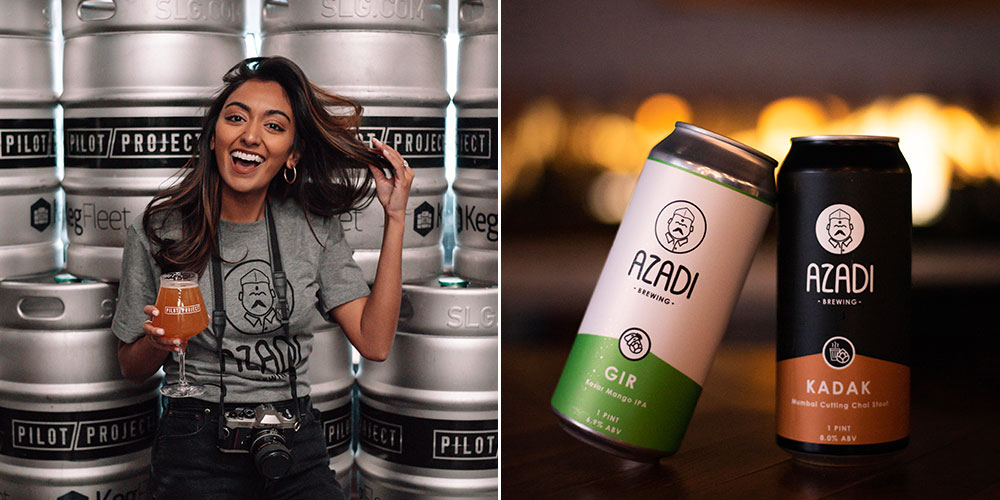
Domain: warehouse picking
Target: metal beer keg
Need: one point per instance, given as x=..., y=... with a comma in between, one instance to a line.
x=331, y=377
x=476, y=186
x=136, y=77
x=29, y=238
x=69, y=423
x=428, y=413
x=388, y=55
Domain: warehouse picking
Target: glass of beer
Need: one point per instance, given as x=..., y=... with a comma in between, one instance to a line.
x=182, y=316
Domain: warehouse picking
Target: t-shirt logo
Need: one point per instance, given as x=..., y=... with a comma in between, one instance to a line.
x=251, y=302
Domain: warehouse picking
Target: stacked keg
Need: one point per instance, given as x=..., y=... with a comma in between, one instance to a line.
x=136, y=77
x=428, y=413
x=331, y=376
x=477, y=214
x=70, y=427
x=390, y=57
x=29, y=236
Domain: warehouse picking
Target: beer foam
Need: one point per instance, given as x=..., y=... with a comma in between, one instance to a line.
x=179, y=279
x=180, y=284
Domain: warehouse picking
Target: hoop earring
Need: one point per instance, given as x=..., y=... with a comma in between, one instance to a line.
x=295, y=174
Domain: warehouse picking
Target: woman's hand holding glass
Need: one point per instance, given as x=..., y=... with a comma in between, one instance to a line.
x=178, y=315
x=156, y=336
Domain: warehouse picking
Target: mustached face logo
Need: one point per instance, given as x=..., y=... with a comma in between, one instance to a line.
x=840, y=229
x=251, y=301
x=680, y=227
x=256, y=293
x=634, y=344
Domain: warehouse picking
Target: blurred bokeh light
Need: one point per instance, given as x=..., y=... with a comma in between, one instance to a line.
x=945, y=144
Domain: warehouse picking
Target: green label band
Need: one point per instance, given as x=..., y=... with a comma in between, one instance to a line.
x=645, y=403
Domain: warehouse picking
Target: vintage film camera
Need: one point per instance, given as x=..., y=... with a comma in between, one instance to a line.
x=262, y=432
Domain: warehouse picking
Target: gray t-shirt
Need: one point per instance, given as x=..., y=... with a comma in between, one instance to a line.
x=254, y=345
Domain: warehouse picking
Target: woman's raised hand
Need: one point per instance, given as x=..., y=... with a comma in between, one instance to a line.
x=392, y=192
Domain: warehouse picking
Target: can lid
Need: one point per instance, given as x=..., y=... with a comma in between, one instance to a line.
x=719, y=137
x=847, y=138
x=719, y=159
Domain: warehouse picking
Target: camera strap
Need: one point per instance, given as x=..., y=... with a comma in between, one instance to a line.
x=281, y=290
x=280, y=282
x=219, y=325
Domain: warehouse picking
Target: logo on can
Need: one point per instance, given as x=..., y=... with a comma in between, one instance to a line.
x=634, y=344
x=680, y=227
x=840, y=229
x=838, y=352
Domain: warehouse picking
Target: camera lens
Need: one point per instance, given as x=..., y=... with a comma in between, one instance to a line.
x=270, y=455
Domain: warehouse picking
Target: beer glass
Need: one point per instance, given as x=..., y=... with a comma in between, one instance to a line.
x=182, y=316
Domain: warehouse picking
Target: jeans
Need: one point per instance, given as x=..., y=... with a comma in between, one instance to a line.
x=187, y=464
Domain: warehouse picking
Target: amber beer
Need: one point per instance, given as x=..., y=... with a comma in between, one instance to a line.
x=182, y=316
x=182, y=310
x=843, y=381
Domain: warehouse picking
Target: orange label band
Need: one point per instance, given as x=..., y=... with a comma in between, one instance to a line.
x=867, y=402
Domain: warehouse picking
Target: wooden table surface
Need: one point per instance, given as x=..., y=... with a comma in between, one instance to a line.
x=729, y=449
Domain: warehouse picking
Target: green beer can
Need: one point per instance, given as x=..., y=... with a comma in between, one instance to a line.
x=665, y=295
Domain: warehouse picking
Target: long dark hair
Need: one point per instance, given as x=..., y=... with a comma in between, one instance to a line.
x=333, y=175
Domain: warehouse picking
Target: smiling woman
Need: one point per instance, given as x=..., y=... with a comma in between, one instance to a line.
x=258, y=208
x=267, y=104
x=255, y=135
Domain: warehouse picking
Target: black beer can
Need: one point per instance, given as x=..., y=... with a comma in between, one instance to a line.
x=844, y=224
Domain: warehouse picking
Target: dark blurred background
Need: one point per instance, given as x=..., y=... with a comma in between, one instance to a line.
x=589, y=87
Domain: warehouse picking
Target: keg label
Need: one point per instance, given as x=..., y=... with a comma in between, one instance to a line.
x=41, y=214
x=465, y=445
x=363, y=228
x=419, y=139
x=101, y=219
x=114, y=485
x=423, y=219
x=842, y=376
x=155, y=142
x=77, y=436
x=337, y=429
x=464, y=317
x=42, y=436
x=218, y=11
x=27, y=143
x=476, y=143
x=660, y=307
x=424, y=442
x=477, y=222
x=376, y=9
